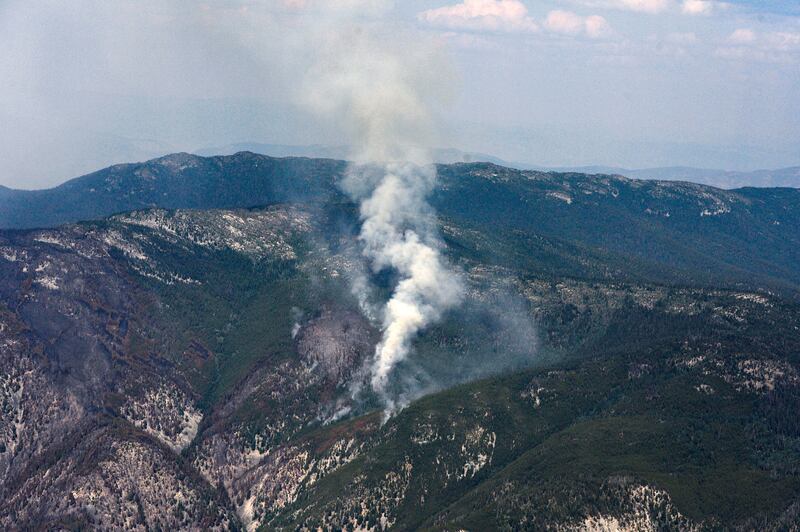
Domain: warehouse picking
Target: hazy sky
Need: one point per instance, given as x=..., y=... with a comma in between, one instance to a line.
x=634, y=83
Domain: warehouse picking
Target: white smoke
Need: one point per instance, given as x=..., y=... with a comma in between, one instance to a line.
x=380, y=88
x=397, y=234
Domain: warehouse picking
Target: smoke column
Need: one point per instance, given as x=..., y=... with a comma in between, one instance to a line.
x=396, y=234
x=379, y=91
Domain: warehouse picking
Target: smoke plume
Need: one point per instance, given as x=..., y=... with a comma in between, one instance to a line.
x=397, y=235
x=380, y=90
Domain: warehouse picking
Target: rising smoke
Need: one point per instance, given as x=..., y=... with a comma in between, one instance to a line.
x=379, y=89
x=397, y=235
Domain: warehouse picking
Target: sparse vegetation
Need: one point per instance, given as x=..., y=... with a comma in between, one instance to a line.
x=632, y=369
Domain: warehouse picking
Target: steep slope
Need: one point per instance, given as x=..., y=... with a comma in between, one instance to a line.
x=194, y=369
x=680, y=426
x=74, y=369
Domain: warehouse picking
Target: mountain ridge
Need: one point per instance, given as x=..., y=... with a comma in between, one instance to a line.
x=159, y=183
x=666, y=230
x=177, y=165
x=726, y=179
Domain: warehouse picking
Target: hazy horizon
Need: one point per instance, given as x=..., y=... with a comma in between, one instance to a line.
x=562, y=83
x=451, y=155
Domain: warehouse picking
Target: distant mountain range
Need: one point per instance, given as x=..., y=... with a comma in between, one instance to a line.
x=665, y=230
x=784, y=177
x=727, y=179
x=441, y=156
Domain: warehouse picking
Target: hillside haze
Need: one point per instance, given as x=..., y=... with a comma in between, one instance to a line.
x=658, y=230
x=726, y=179
x=181, y=347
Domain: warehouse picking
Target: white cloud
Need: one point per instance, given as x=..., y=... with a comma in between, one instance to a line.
x=339, y=5
x=697, y=7
x=681, y=38
x=783, y=41
x=687, y=7
x=646, y=6
x=742, y=36
x=472, y=41
x=482, y=15
x=639, y=6
x=776, y=46
x=564, y=22
x=569, y=23
x=703, y=7
x=597, y=27
x=777, y=40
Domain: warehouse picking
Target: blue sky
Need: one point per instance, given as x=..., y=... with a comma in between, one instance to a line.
x=633, y=83
x=781, y=7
